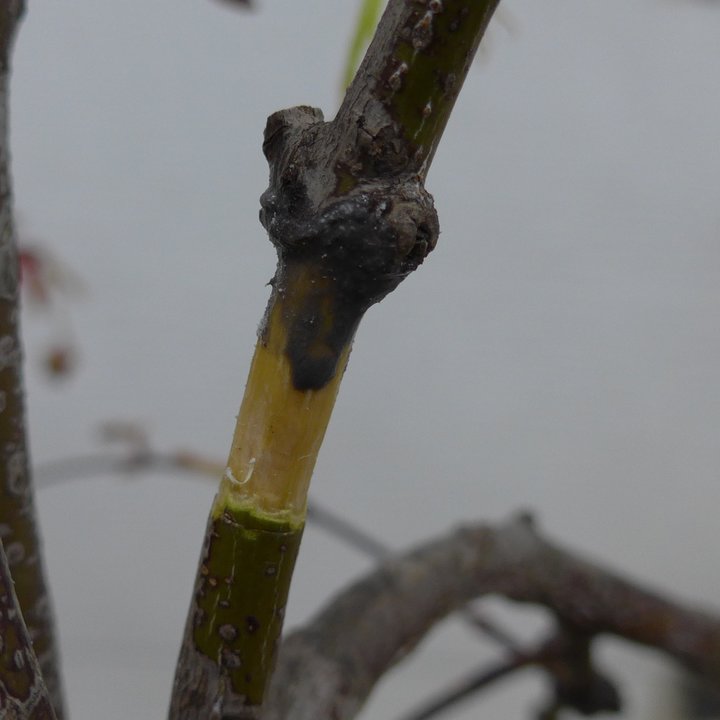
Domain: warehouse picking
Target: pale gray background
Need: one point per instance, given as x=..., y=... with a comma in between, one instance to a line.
x=559, y=350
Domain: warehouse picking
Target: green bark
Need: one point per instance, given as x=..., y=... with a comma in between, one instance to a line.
x=237, y=613
x=243, y=587
x=407, y=85
x=422, y=78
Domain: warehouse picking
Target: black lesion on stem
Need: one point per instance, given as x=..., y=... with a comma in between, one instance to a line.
x=338, y=254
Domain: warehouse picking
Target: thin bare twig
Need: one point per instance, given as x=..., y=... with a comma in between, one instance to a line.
x=346, y=531
x=473, y=684
x=140, y=457
x=566, y=659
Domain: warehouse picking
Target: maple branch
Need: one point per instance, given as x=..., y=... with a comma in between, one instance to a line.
x=328, y=668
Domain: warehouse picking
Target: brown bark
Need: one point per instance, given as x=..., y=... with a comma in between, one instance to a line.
x=327, y=669
x=23, y=695
x=18, y=528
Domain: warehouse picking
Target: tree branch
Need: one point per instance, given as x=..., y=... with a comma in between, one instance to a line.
x=465, y=688
x=349, y=216
x=566, y=658
x=328, y=669
x=23, y=695
x=18, y=529
x=396, y=109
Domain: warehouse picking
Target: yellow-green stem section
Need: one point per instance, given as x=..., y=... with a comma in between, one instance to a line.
x=279, y=431
x=254, y=531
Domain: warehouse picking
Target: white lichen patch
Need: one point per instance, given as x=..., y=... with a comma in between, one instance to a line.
x=18, y=660
x=9, y=352
x=16, y=478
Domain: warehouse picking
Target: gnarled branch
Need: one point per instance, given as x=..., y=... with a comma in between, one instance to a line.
x=328, y=668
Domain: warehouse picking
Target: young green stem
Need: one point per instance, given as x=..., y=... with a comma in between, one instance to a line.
x=233, y=629
x=350, y=218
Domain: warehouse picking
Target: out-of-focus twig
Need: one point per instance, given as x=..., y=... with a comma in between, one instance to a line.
x=48, y=284
x=346, y=531
x=568, y=663
x=328, y=668
x=139, y=456
x=467, y=687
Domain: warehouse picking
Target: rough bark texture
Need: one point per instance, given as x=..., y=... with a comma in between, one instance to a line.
x=347, y=208
x=397, y=107
x=23, y=695
x=18, y=529
x=327, y=670
x=340, y=249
